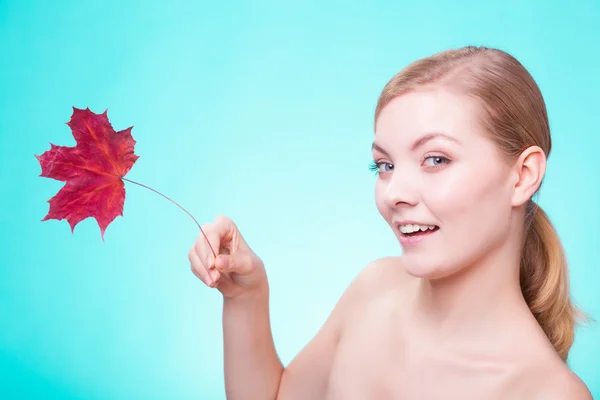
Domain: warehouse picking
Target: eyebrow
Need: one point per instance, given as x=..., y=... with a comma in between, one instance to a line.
x=420, y=142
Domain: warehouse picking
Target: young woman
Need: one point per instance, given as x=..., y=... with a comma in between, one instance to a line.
x=477, y=306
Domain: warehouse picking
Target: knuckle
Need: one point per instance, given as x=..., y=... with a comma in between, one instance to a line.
x=199, y=272
x=212, y=238
x=191, y=254
x=248, y=261
x=222, y=220
x=194, y=267
x=198, y=248
x=199, y=276
x=206, y=228
x=196, y=273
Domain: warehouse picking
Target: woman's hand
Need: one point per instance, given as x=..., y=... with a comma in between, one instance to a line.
x=237, y=271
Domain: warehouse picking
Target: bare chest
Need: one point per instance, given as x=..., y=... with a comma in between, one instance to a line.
x=375, y=361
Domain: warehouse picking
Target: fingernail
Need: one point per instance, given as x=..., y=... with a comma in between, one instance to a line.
x=221, y=262
x=213, y=274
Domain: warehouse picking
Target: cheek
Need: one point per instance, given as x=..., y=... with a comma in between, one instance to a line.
x=470, y=200
x=379, y=200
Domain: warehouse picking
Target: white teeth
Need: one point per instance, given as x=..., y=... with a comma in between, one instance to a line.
x=411, y=228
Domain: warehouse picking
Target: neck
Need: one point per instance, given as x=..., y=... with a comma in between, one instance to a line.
x=483, y=298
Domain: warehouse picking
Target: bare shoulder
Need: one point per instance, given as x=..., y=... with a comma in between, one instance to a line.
x=554, y=381
x=307, y=375
x=561, y=383
x=376, y=278
x=373, y=291
x=380, y=275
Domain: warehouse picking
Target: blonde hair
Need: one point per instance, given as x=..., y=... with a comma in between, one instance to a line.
x=514, y=113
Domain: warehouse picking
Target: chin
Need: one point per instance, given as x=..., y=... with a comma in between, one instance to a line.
x=422, y=267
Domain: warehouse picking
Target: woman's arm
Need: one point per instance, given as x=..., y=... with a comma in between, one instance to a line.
x=252, y=367
x=307, y=376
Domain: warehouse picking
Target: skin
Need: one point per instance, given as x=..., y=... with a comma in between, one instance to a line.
x=447, y=318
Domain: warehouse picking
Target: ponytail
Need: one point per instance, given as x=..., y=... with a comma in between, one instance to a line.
x=545, y=282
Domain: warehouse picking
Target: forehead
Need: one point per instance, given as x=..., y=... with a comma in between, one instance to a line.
x=414, y=114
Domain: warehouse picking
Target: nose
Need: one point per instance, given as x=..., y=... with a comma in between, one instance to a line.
x=399, y=190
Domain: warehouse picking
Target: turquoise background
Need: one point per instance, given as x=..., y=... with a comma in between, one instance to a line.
x=261, y=111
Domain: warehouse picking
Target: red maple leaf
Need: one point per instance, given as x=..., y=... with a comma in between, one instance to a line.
x=93, y=169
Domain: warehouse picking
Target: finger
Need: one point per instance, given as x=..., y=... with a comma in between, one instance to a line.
x=238, y=262
x=204, y=251
x=227, y=231
x=224, y=223
x=198, y=268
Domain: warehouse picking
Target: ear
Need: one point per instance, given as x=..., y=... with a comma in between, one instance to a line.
x=530, y=168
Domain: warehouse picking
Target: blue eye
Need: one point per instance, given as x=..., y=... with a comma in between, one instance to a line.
x=436, y=161
x=386, y=165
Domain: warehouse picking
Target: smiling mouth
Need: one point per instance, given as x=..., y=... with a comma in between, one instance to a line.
x=412, y=230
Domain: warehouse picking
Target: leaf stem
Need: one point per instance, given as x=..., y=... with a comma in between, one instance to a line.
x=172, y=201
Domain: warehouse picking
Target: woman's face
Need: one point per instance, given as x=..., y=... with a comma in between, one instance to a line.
x=440, y=174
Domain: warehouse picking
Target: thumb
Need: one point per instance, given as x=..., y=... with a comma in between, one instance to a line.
x=239, y=263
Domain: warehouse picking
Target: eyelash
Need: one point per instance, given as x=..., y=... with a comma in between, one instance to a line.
x=374, y=165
